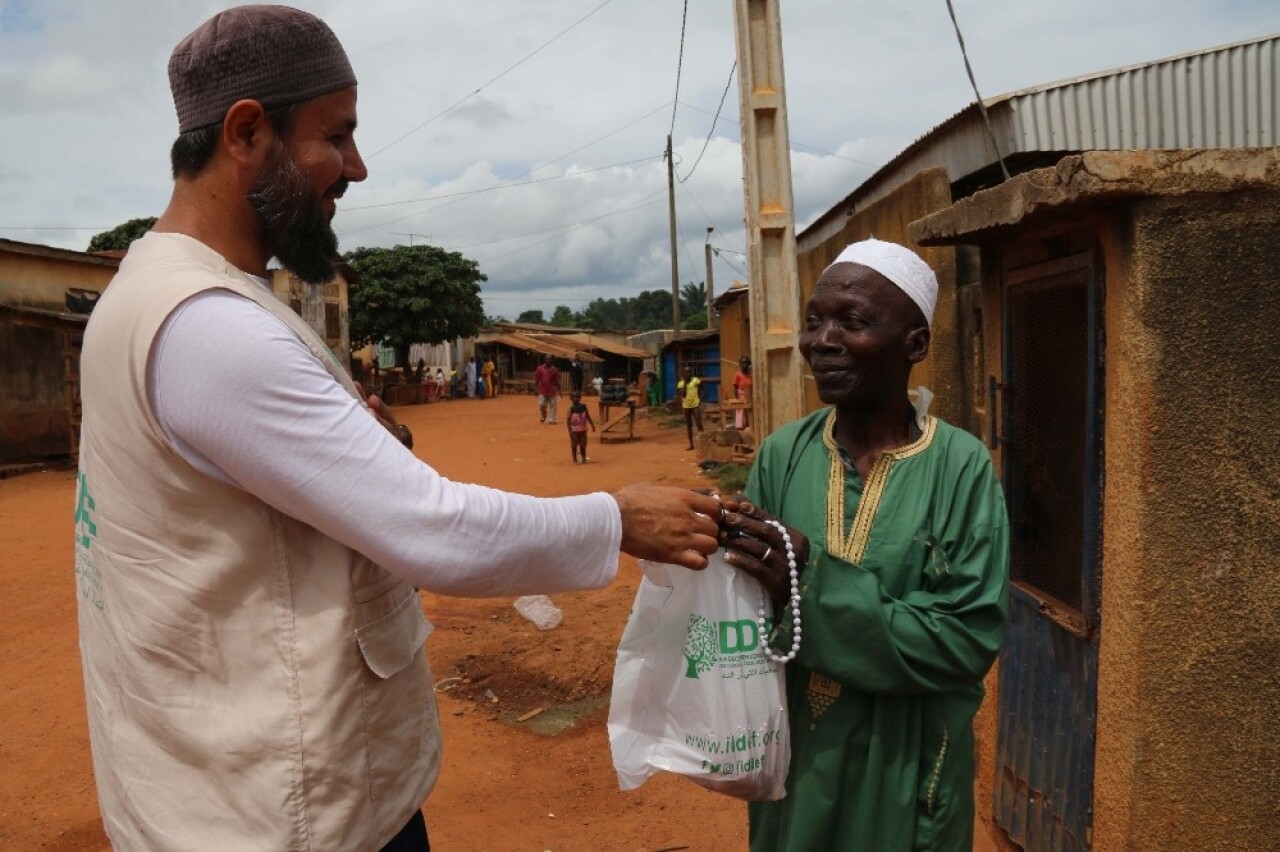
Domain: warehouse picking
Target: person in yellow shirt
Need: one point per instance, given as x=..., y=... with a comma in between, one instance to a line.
x=489, y=373
x=689, y=392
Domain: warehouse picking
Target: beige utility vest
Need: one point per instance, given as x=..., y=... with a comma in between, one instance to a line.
x=251, y=683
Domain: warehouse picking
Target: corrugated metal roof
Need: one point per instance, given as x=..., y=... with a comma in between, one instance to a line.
x=1223, y=97
x=44, y=313
x=17, y=247
x=543, y=345
x=591, y=341
x=1220, y=97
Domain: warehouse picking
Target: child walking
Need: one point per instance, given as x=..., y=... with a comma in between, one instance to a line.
x=579, y=419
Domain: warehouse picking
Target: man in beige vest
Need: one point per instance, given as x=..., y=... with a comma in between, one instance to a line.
x=253, y=643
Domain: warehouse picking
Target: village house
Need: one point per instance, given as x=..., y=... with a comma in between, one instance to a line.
x=1105, y=322
x=46, y=294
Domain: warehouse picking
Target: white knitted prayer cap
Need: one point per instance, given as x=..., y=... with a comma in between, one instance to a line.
x=901, y=266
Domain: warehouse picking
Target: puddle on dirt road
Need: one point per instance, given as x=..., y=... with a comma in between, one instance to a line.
x=557, y=718
x=520, y=692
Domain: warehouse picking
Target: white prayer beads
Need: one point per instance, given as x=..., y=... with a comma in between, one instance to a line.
x=795, y=604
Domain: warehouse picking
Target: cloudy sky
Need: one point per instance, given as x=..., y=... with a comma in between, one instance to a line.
x=529, y=136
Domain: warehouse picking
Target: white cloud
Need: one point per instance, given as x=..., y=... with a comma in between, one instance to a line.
x=86, y=117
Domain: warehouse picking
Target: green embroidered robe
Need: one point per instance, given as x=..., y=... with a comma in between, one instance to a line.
x=903, y=608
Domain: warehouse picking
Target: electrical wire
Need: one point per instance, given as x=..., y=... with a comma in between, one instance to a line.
x=55, y=228
x=718, y=252
x=982, y=107
x=490, y=82
x=794, y=143
x=510, y=185
x=712, y=131
x=528, y=171
x=620, y=211
x=698, y=204
x=684, y=19
x=543, y=230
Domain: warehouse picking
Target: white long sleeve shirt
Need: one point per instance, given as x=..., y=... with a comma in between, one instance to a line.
x=263, y=415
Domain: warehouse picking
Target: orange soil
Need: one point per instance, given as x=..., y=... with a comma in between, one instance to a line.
x=545, y=784
x=504, y=785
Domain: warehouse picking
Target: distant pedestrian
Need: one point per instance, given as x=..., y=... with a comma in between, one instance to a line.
x=652, y=390
x=547, y=380
x=579, y=420
x=598, y=384
x=689, y=390
x=742, y=391
x=489, y=371
x=471, y=377
x=575, y=376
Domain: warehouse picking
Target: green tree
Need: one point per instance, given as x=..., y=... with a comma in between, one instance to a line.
x=693, y=299
x=413, y=294
x=651, y=310
x=121, y=236
x=564, y=316
x=492, y=320
x=694, y=322
x=532, y=316
x=605, y=315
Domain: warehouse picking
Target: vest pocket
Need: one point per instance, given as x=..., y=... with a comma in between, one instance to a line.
x=397, y=702
x=392, y=641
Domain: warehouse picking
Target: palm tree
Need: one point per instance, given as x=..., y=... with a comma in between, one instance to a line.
x=693, y=298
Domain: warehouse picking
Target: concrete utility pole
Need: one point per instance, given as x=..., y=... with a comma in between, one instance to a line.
x=778, y=396
x=711, y=290
x=675, y=264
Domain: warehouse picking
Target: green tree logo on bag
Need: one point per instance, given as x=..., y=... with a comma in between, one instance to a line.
x=699, y=645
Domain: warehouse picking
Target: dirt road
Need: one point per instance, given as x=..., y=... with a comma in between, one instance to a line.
x=546, y=783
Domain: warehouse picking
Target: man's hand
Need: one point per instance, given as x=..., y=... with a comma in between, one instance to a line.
x=382, y=411
x=756, y=546
x=665, y=524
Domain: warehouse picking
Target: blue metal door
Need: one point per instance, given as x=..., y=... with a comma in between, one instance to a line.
x=1051, y=410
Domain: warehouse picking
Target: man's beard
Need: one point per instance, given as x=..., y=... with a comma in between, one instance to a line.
x=291, y=221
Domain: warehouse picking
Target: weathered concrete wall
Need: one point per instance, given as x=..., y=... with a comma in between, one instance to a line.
x=735, y=338
x=1189, y=685
x=38, y=281
x=887, y=219
x=312, y=302
x=34, y=418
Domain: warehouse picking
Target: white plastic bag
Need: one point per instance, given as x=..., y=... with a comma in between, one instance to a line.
x=540, y=610
x=693, y=692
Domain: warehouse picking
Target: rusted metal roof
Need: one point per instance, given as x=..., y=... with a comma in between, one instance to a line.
x=45, y=314
x=16, y=247
x=543, y=345
x=1220, y=97
x=584, y=340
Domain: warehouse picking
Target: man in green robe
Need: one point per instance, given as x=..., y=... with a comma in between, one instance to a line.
x=901, y=533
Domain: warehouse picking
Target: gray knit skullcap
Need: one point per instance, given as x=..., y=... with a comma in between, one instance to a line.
x=275, y=55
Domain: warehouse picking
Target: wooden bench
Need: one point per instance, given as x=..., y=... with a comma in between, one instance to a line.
x=620, y=428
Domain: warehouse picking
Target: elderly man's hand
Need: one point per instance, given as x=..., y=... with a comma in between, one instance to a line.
x=665, y=524
x=756, y=546
x=382, y=412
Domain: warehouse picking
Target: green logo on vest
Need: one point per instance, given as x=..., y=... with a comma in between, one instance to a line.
x=86, y=529
x=86, y=532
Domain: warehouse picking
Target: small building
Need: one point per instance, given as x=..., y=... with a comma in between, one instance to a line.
x=698, y=350
x=1132, y=354
x=323, y=307
x=1094, y=325
x=45, y=296
x=734, y=309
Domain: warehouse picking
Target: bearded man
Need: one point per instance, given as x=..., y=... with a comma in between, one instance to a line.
x=252, y=639
x=898, y=523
